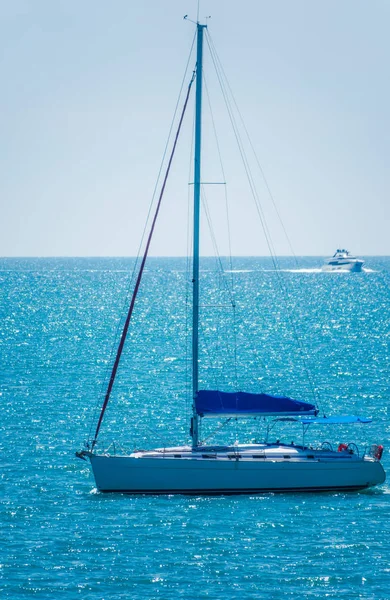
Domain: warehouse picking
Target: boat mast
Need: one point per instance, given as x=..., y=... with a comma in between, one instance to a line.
x=195, y=267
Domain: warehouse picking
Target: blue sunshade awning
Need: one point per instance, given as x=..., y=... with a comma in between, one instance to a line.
x=212, y=403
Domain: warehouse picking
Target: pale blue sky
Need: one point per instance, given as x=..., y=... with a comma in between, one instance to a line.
x=89, y=88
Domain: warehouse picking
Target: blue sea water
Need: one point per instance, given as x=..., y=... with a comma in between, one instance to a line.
x=60, y=538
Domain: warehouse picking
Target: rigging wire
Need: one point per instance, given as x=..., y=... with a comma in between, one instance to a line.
x=141, y=269
x=282, y=285
x=267, y=186
x=188, y=288
x=220, y=76
x=226, y=199
x=214, y=242
x=217, y=254
x=216, y=430
x=214, y=367
x=228, y=229
x=132, y=277
x=255, y=155
x=221, y=272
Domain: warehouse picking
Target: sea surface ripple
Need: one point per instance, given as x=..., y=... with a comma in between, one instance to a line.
x=60, y=538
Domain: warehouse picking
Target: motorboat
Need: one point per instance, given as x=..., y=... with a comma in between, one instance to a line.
x=342, y=260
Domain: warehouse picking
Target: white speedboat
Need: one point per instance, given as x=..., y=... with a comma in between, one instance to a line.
x=342, y=260
x=206, y=469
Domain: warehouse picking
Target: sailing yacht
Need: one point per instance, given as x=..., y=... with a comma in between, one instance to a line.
x=199, y=468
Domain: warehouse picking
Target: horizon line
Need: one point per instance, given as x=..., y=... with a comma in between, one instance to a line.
x=181, y=256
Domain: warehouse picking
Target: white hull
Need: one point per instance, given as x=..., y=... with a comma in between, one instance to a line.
x=195, y=473
x=352, y=267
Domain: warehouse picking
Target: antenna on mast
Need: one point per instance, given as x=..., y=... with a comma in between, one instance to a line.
x=187, y=19
x=197, y=16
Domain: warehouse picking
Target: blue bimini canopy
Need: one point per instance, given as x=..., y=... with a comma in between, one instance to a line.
x=212, y=403
x=337, y=420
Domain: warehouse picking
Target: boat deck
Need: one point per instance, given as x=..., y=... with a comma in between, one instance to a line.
x=276, y=451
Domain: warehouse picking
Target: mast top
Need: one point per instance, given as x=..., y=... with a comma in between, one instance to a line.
x=197, y=23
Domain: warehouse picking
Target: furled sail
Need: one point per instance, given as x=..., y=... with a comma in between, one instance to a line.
x=213, y=403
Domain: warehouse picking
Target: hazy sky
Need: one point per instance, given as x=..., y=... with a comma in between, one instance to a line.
x=88, y=90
